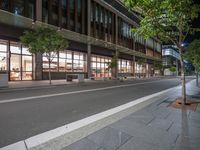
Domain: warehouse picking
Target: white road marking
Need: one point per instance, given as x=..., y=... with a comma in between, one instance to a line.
x=50, y=138
x=68, y=93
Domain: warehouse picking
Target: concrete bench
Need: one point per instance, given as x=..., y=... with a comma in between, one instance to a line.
x=79, y=76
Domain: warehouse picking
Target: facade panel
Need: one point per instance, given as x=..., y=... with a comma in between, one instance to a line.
x=108, y=22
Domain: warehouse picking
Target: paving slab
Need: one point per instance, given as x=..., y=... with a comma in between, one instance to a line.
x=109, y=138
x=155, y=127
x=83, y=144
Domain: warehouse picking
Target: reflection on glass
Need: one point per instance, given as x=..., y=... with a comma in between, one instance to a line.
x=3, y=62
x=66, y=63
x=15, y=67
x=27, y=76
x=100, y=66
x=3, y=55
x=25, y=51
x=124, y=66
x=15, y=48
x=62, y=63
x=3, y=47
x=18, y=7
x=26, y=63
x=15, y=63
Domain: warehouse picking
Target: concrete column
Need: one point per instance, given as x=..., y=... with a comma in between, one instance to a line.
x=116, y=71
x=133, y=66
x=88, y=44
x=89, y=61
x=88, y=17
x=116, y=29
x=147, y=70
x=38, y=16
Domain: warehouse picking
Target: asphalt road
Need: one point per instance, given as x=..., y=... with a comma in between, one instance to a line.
x=29, y=113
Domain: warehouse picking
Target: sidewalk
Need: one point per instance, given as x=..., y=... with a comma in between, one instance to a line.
x=45, y=83
x=156, y=127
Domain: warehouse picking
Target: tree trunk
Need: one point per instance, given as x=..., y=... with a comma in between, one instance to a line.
x=183, y=79
x=197, y=79
x=49, y=72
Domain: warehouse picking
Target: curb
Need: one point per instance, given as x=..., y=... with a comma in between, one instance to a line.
x=63, y=136
x=3, y=89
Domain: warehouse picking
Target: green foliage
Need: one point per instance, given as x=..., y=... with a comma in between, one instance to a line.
x=141, y=61
x=157, y=65
x=114, y=61
x=172, y=69
x=169, y=20
x=43, y=40
x=193, y=53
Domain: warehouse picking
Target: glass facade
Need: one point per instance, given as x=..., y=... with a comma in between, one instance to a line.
x=16, y=60
x=99, y=66
x=3, y=55
x=68, y=14
x=125, y=36
x=21, y=67
x=66, y=61
x=102, y=23
x=19, y=7
x=125, y=66
x=140, y=70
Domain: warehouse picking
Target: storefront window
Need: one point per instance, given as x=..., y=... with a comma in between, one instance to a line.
x=124, y=66
x=3, y=61
x=68, y=62
x=53, y=64
x=26, y=67
x=100, y=66
x=15, y=67
x=3, y=56
x=20, y=62
x=26, y=63
x=15, y=48
x=25, y=51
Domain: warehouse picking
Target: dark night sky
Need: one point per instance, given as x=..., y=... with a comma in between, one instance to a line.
x=195, y=23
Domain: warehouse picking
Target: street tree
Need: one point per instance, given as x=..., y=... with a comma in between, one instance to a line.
x=167, y=20
x=193, y=55
x=46, y=41
x=141, y=62
x=112, y=65
x=172, y=69
x=158, y=66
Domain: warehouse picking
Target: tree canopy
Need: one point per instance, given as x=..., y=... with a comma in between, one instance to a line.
x=141, y=61
x=168, y=20
x=172, y=69
x=43, y=40
x=46, y=41
x=193, y=53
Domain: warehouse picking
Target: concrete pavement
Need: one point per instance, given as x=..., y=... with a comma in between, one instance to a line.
x=155, y=127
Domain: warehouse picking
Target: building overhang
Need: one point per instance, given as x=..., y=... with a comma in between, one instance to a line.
x=28, y=24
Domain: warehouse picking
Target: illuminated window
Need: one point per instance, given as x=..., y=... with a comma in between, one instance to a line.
x=3, y=56
x=100, y=66
x=124, y=66
x=21, y=67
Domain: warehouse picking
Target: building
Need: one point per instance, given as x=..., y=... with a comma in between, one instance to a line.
x=171, y=58
x=95, y=29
